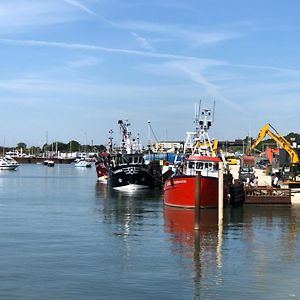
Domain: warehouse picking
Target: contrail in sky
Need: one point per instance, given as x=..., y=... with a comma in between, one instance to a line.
x=104, y=49
x=80, y=6
x=137, y=53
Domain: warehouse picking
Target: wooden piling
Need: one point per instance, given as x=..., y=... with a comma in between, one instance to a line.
x=197, y=201
x=221, y=192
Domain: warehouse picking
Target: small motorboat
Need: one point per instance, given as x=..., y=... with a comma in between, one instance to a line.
x=83, y=163
x=8, y=163
x=50, y=163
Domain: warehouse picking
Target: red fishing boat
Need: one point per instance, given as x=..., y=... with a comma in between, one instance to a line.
x=180, y=189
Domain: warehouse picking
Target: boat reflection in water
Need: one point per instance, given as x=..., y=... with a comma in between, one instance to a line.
x=128, y=209
x=180, y=224
x=202, y=246
x=253, y=252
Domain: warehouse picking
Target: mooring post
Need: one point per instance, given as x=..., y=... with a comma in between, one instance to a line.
x=221, y=192
x=197, y=201
x=220, y=216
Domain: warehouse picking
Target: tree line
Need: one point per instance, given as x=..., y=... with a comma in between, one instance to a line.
x=71, y=146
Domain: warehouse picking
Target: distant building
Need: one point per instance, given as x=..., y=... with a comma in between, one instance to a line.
x=168, y=146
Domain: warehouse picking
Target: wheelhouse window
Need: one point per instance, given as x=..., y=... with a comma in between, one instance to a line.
x=191, y=165
x=203, y=166
x=199, y=165
x=121, y=160
x=208, y=166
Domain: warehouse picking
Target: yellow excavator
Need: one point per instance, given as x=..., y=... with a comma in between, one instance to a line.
x=282, y=142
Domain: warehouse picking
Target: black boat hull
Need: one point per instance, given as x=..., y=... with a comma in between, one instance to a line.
x=134, y=176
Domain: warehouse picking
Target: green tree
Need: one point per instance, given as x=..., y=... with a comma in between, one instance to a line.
x=100, y=148
x=73, y=146
x=35, y=150
x=21, y=145
x=60, y=146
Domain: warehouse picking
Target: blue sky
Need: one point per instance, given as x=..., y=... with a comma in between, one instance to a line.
x=70, y=69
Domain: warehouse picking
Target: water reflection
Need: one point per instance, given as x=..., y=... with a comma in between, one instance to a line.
x=128, y=210
x=252, y=241
x=266, y=228
x=253, y=246
x=180, y=223
x=101, y=190
x=129, y=218
x=202, y=246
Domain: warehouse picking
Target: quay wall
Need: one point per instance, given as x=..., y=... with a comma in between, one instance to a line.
x=35, y=160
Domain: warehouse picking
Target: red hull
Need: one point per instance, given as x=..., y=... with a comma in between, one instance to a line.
x=180, y=191
x=101, y=170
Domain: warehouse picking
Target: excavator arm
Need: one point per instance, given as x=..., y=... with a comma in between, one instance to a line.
x=280, y=139
x=262, y=134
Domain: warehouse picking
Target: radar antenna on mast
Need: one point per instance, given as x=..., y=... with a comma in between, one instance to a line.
x=197, y=115
x=197, y=112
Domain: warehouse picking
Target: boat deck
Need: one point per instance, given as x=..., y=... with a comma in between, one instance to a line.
x=267, y=195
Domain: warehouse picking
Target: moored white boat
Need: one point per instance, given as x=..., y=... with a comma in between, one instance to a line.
x=83, y=163
x=50, y=163
x=8, y=163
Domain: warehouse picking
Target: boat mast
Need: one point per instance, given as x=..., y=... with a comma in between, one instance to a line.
x=149, y=137
x=110, y=141
x=203, y=143
x=150, y=130
x=198, y=141
x=3, y=150
x=125, y=144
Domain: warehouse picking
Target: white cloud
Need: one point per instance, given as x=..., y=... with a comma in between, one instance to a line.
x=24, y=15
x=17, y=13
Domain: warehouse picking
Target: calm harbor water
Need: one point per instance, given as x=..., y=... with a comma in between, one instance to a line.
x=65, y=236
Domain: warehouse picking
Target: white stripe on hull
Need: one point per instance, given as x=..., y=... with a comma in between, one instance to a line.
x=131, y=187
